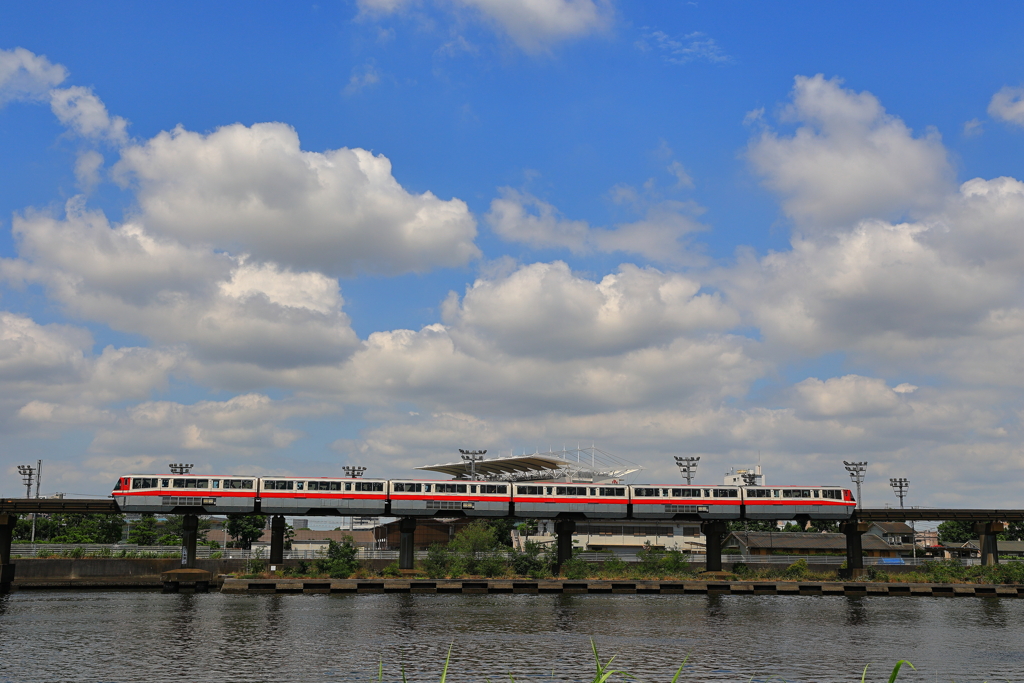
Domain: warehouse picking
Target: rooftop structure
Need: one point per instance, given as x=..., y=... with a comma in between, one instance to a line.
x=571, y=465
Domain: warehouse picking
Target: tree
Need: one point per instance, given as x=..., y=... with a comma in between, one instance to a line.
x=954, y=531
x=143, y=532
x=174, y=525
x=503, y=527
x=246, y=528
x=66, y=528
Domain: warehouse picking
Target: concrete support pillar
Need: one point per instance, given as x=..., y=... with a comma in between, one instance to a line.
x=189, y=533
x=7, y=524
x=989, y=546
x=277, y=539
x=564, y=529
x=406, y=542
x=714, y=533
x=854, y=530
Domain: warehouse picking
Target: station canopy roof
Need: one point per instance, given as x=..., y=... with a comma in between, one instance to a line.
x=509, y=465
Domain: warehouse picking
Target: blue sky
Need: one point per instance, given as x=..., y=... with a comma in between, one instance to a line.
x=271, y=238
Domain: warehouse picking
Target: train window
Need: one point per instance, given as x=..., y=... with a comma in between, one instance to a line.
x=726, y=493
x=318, y=486
x=530, y=490
x=280, y=485
x=547, y=490
x=409, y=488
x=298, y=485
x=348, y=486
x=202, y=483
x=216, y=483
x=369, y=486
x=707, y=493
x=570, y=491
x=144, y=483
x=472, y=488
x=335, y=486
x=796, y=493
x=165, y=482
x=493, y=488
x=647, y=493
x=426, y=488
x=831, y=494
x=612, y=491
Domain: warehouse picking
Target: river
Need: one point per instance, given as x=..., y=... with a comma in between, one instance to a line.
x=122, y=636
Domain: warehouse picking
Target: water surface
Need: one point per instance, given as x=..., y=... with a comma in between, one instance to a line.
x=122, y=636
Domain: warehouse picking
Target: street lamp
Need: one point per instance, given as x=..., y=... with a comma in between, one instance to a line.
x=353, y=471
x=180, y=467
x=472, y=457
x=687, y=466
x=857, y=470
x=899, y=487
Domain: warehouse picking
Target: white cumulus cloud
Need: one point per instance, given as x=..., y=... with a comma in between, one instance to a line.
x=27, y=76
x=1008, y=105
x=254, y=190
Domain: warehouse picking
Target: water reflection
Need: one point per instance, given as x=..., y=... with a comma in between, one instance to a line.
x=48, y=634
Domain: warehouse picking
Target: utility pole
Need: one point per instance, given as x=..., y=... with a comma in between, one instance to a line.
x=857, y=470
x=472, y=457
x=687, y=466
x=39, y=478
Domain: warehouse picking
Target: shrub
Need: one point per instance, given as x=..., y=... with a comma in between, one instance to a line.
x=533, y=561
x=216, y=555
x=576, y=568
x=340, y=559
x=44, y=553
x=494, y=564
x=438, y=561
x=797, y=570
x=391, y=571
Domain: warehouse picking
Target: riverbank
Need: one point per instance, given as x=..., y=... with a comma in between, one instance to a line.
x=654, y=587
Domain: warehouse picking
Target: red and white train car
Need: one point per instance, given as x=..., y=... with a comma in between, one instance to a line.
x=323, y=496
x=432, y=498
x=790, y=502
x=211, y=494
x=686, y=502
x=551, y=499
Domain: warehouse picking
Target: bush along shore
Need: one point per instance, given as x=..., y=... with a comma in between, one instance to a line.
x=475, y=552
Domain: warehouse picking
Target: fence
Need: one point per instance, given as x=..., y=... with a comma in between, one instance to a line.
x=262, y=552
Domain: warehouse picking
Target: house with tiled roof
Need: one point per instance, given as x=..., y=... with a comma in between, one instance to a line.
x=801, y=543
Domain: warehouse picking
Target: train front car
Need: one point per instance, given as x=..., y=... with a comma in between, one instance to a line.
x=186, y=494
x=323, y=496
x=423, y=498
x=591, y=501
x=792, y=502
x=686, y=502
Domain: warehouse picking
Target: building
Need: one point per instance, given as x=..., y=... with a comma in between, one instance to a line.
x=428, y=532
x=801, y=543
x=628, y=537
x=318, y=539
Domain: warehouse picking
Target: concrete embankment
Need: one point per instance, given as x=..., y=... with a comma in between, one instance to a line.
x=498, y=586
x=108, y=572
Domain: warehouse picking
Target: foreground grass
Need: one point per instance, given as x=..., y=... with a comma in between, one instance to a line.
x=603, y=671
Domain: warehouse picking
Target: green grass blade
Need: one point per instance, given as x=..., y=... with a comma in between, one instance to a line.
x=896, y=669
x=380, y=671
x=404, y=680
x=680, y=670
x=444, y=674
x=865, y=674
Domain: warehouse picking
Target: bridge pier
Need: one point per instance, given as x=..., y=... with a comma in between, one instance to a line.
x=564, y=529
x=189, y=535
x=406, y=542
x=277, y=539
x=989, y=543
x=854, y=530
x=714, y=533
x=7, y=524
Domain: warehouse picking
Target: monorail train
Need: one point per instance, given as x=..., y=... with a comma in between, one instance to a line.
x=229, y=494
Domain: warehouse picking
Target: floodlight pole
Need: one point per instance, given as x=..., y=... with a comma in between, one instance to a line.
x=899, y=487
x=28, y=474
x=181, y=467
x=472, y=457
x=353, y=471
x=857, y=470
x=687, y=466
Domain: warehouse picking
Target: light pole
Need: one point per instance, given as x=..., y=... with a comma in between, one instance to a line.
x=472, y=457
x=353, y=471
x=181, y=468
x=857, y=470
x=28, y=474
x=687, y=466
x=899, y=487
